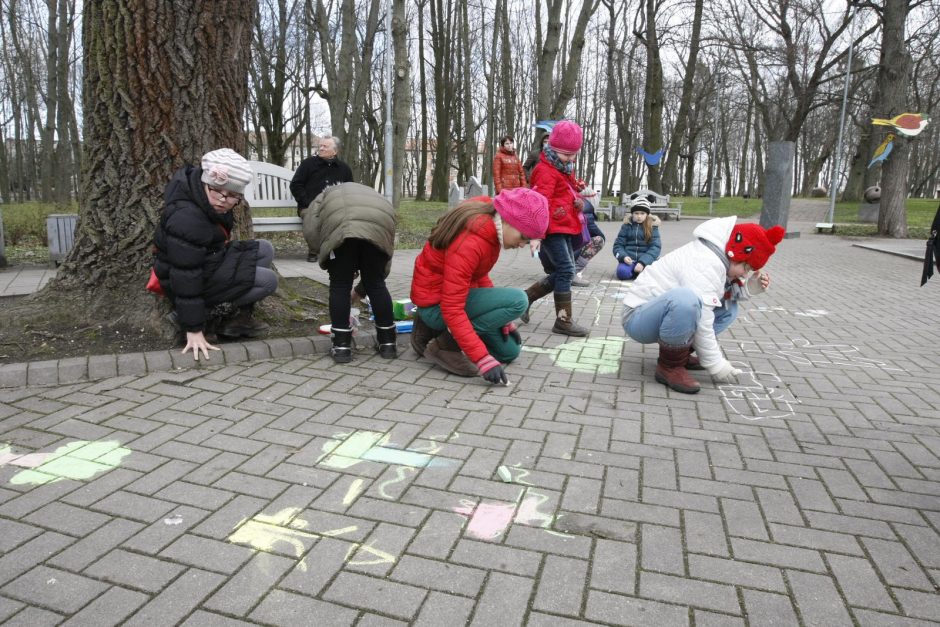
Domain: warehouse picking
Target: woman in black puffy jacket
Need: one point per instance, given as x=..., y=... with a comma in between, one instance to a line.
x=196, y=262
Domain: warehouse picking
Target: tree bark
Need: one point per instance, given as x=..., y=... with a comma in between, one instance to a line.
x=670, y=179
x=894, y=70
x=164, y=83
x=401, y=103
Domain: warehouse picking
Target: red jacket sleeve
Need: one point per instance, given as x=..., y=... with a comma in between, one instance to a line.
x=497, y=173
x=460, y=261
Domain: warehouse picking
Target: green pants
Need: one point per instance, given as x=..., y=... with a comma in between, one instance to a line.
x=489, y=310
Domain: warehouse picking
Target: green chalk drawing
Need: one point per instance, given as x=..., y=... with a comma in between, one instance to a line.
x=79, y=460
x=593, y=355
x=371, y=446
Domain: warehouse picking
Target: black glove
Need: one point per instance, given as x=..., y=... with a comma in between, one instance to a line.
x=496, y=374
x=514, y=334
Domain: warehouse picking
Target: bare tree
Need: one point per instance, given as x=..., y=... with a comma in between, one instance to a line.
x=401, y=98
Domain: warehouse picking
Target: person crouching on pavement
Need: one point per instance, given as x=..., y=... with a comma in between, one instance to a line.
x=198, y=266
x=637, y=244
x=690, y=295
x=352, y=228
x=463, y=323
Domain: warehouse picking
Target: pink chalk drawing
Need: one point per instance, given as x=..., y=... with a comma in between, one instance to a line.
x=489, y=520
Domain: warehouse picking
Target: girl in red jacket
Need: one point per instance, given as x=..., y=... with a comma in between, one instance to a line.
x=553, y=177
x=463, y=323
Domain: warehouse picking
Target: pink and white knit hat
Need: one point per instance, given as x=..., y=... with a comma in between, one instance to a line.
x=524, y=209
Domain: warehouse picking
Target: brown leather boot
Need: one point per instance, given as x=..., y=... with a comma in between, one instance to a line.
x=536, y=291
x=670, y=369
x=563, y=322
x=421, y=334
x=445, y=352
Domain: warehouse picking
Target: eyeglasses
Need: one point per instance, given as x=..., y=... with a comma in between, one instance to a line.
x=226, y=195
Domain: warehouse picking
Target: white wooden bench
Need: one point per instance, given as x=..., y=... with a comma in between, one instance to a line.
x=271, y=188
x=659, y=205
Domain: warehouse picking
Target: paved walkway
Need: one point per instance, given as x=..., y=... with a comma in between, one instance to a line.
x=291, y=491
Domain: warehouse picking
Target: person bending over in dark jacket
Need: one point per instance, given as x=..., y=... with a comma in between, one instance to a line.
x=315, y=174
x=196, y=262
x=352, y=229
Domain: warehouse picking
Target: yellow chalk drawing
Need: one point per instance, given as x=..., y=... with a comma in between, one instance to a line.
x=332, y=533
x=379, y=556
x=355, y=489
x=80, y=461
x=594, y=355
x=401, y=473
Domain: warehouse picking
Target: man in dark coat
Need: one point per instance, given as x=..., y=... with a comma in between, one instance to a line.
x=315, y=174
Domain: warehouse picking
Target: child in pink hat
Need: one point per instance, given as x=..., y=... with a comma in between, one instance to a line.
x=554, y=178
x=463, y=323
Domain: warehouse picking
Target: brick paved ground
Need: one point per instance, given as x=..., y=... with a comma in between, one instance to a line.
x=294, y=491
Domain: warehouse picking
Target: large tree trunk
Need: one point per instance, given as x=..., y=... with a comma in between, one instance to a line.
x=670, y=179
x=652, y=95
x=422, y=145
x=894, y=70
x=401, y=102
x=164, y=83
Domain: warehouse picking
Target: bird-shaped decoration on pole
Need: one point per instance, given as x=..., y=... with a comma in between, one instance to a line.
x=907, y=124
x=651, y=159
x=882, y=151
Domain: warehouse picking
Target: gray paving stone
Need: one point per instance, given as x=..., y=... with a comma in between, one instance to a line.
x=504, y=601
x=720, y=597
x=206, y=554
x=13, y=375
x=442, y=609
x=55, y=589
x=494, y=557
x=243, y=591
x=285, y=608
x=766, y=608
x=35, y=551
x=34, y=617
x=818, y=599
x=623, y=610
x=896, y=564
x=736, y=573
x=318, y=567
x=389, y=598
x=436, y=575
x=177, y=600
x=90, y=548
x=704, y=533
x=859, y=583
x=134, y=571
x=111, y=608
x=662, y=549
x=560, y=585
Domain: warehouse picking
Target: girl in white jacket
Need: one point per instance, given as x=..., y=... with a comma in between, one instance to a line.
x=690, y=295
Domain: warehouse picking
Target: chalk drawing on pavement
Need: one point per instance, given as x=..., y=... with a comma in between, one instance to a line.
x=489, y=519
x=803, y=352
x=369, y=446
x=599, y=355
x=80, y=460
x=752, y=399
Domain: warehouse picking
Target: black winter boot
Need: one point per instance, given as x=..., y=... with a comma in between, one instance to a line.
x=421, y=334
x=342, y=346
x=385, y=342
x=564, y=325
x=537, y=290
x=242, y=324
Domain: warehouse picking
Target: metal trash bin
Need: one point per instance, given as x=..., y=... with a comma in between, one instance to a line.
x=60, y=228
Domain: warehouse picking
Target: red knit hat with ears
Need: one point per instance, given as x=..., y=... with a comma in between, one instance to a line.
x=753, y=244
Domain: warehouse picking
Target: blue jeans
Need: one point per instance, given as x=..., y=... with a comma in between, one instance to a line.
x=560, y=253
x=672, y=317
x=489, y=310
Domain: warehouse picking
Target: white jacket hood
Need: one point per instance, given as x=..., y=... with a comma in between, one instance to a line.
x=717, y=230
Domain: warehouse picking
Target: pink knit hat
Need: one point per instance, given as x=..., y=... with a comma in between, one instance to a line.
x=566, y=136
x=524, y=209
